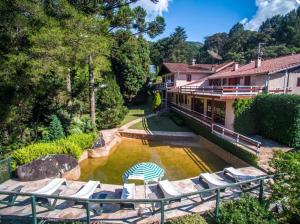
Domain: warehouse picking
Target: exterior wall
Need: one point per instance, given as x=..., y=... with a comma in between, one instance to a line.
x=180, y=79
x=229, y=117
x=292, y=83
x=277, y=81
x=259, y=80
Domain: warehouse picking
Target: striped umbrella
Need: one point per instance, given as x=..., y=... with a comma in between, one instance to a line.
x=144, y=171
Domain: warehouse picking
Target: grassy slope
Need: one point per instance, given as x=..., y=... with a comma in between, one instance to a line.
x=162, y=123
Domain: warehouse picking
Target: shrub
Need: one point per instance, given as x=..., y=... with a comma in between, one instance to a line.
x=286, y=189
x=56, y=130
x=156, y=104
x=81, y=124
x=73, y=145
x=245, y=210
x=189, y=219
x=224, y=144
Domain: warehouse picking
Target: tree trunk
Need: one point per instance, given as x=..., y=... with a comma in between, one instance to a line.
x=92, y=90
x=69, y=92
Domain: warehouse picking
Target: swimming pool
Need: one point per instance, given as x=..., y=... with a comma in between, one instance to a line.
x=179, y=162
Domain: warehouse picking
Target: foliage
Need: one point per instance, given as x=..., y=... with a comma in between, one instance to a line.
x=130, y=63
x=174, y=48
x=202, y=130
x=55, y=130
x=72, y=145
x=273, y=116
x=281, y=35
x=245, y=210
x=244, y=116
x=286, y=188
x=189, y=219
x=81, y=124
x=109, y=103
x=156, y=104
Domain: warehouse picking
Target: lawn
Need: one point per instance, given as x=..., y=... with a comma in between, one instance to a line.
x=161, y=123
x=138, y=111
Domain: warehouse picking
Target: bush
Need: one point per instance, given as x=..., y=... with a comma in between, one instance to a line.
x=273, y=116
x=189, y=219
x=224, y=144
x=286, y=189
x=245, y=210
x=55, y=130
x=156, y=104
x=177, y=120
x=81, y=124
x=73, y=145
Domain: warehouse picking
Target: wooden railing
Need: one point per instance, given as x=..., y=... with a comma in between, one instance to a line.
x=223, y=132
x=222, y=90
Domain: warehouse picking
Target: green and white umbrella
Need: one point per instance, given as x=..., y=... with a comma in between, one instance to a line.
x=147, y=172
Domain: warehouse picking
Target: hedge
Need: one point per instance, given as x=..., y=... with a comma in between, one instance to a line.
x=73, y=145
x=273, y=116
x=224, y=144
x=189, y=219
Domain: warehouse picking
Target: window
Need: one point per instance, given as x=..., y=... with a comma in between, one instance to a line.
x=248, y=81
x=181, y=98
x=188, y=78
x=198, y=105
x=224, y=82
x=298, y=82
x=185, y=99
x=220, y=110
x=215, y=82
x=234, y=81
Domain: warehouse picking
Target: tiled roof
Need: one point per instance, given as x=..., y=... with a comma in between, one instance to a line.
x=197, y=68
x=267, y=66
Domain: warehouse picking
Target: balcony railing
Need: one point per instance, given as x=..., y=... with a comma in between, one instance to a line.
x=222, y=90
x=251, y=144
x=165, y=85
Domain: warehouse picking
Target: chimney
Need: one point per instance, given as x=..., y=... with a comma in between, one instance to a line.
x=213, y=68
x=193, y=62
x=258, y=62
x=236, y=67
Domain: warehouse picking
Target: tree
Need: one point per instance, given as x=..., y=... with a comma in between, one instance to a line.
x=285, y=189
x=55, y=130
x=156, y=104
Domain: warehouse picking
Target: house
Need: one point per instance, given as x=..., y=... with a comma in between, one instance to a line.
x=208, y=92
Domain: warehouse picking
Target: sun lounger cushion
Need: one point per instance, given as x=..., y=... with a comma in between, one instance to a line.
x=87, y=191
x=213, y=180
x=51, y=187
x=238, y=175
x=128, y=191
x=168, y=189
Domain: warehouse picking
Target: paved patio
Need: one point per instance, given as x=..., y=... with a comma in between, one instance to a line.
x=112, y=212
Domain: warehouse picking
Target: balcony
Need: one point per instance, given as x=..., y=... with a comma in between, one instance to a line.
x=164, y=86
x=222, y=90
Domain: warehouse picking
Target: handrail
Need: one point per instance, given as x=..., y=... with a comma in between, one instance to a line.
x=162, y=201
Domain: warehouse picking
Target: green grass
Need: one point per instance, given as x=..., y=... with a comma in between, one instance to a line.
x=137, y=112
x=161, y=123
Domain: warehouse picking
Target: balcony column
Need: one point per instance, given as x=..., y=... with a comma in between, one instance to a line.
x=212, y=111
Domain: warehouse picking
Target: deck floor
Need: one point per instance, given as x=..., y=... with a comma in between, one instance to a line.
x=112, y=213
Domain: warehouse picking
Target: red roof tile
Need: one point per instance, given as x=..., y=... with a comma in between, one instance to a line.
x=267, y=66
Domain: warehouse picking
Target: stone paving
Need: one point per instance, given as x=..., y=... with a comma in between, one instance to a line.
x=112, y=212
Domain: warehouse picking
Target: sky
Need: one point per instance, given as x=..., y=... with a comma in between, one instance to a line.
x=202, y=18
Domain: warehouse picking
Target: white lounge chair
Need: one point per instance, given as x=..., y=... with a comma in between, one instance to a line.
x=87, y=191
x=238, y=175
x=212, y=180
x=168, y=189
x=128, y=192
x=49, y=190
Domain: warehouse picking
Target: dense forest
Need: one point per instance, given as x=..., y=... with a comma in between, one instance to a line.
x=280, y=35
x=68, y=62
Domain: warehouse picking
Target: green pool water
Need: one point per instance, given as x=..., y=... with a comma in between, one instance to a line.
x=178, y=162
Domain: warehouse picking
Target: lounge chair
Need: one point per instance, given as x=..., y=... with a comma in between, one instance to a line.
x=11, y=199
x=87, y=191
x=168, y=189
x=50, y=189
x=238, y=175
x=212, y=180
x=128, y=192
